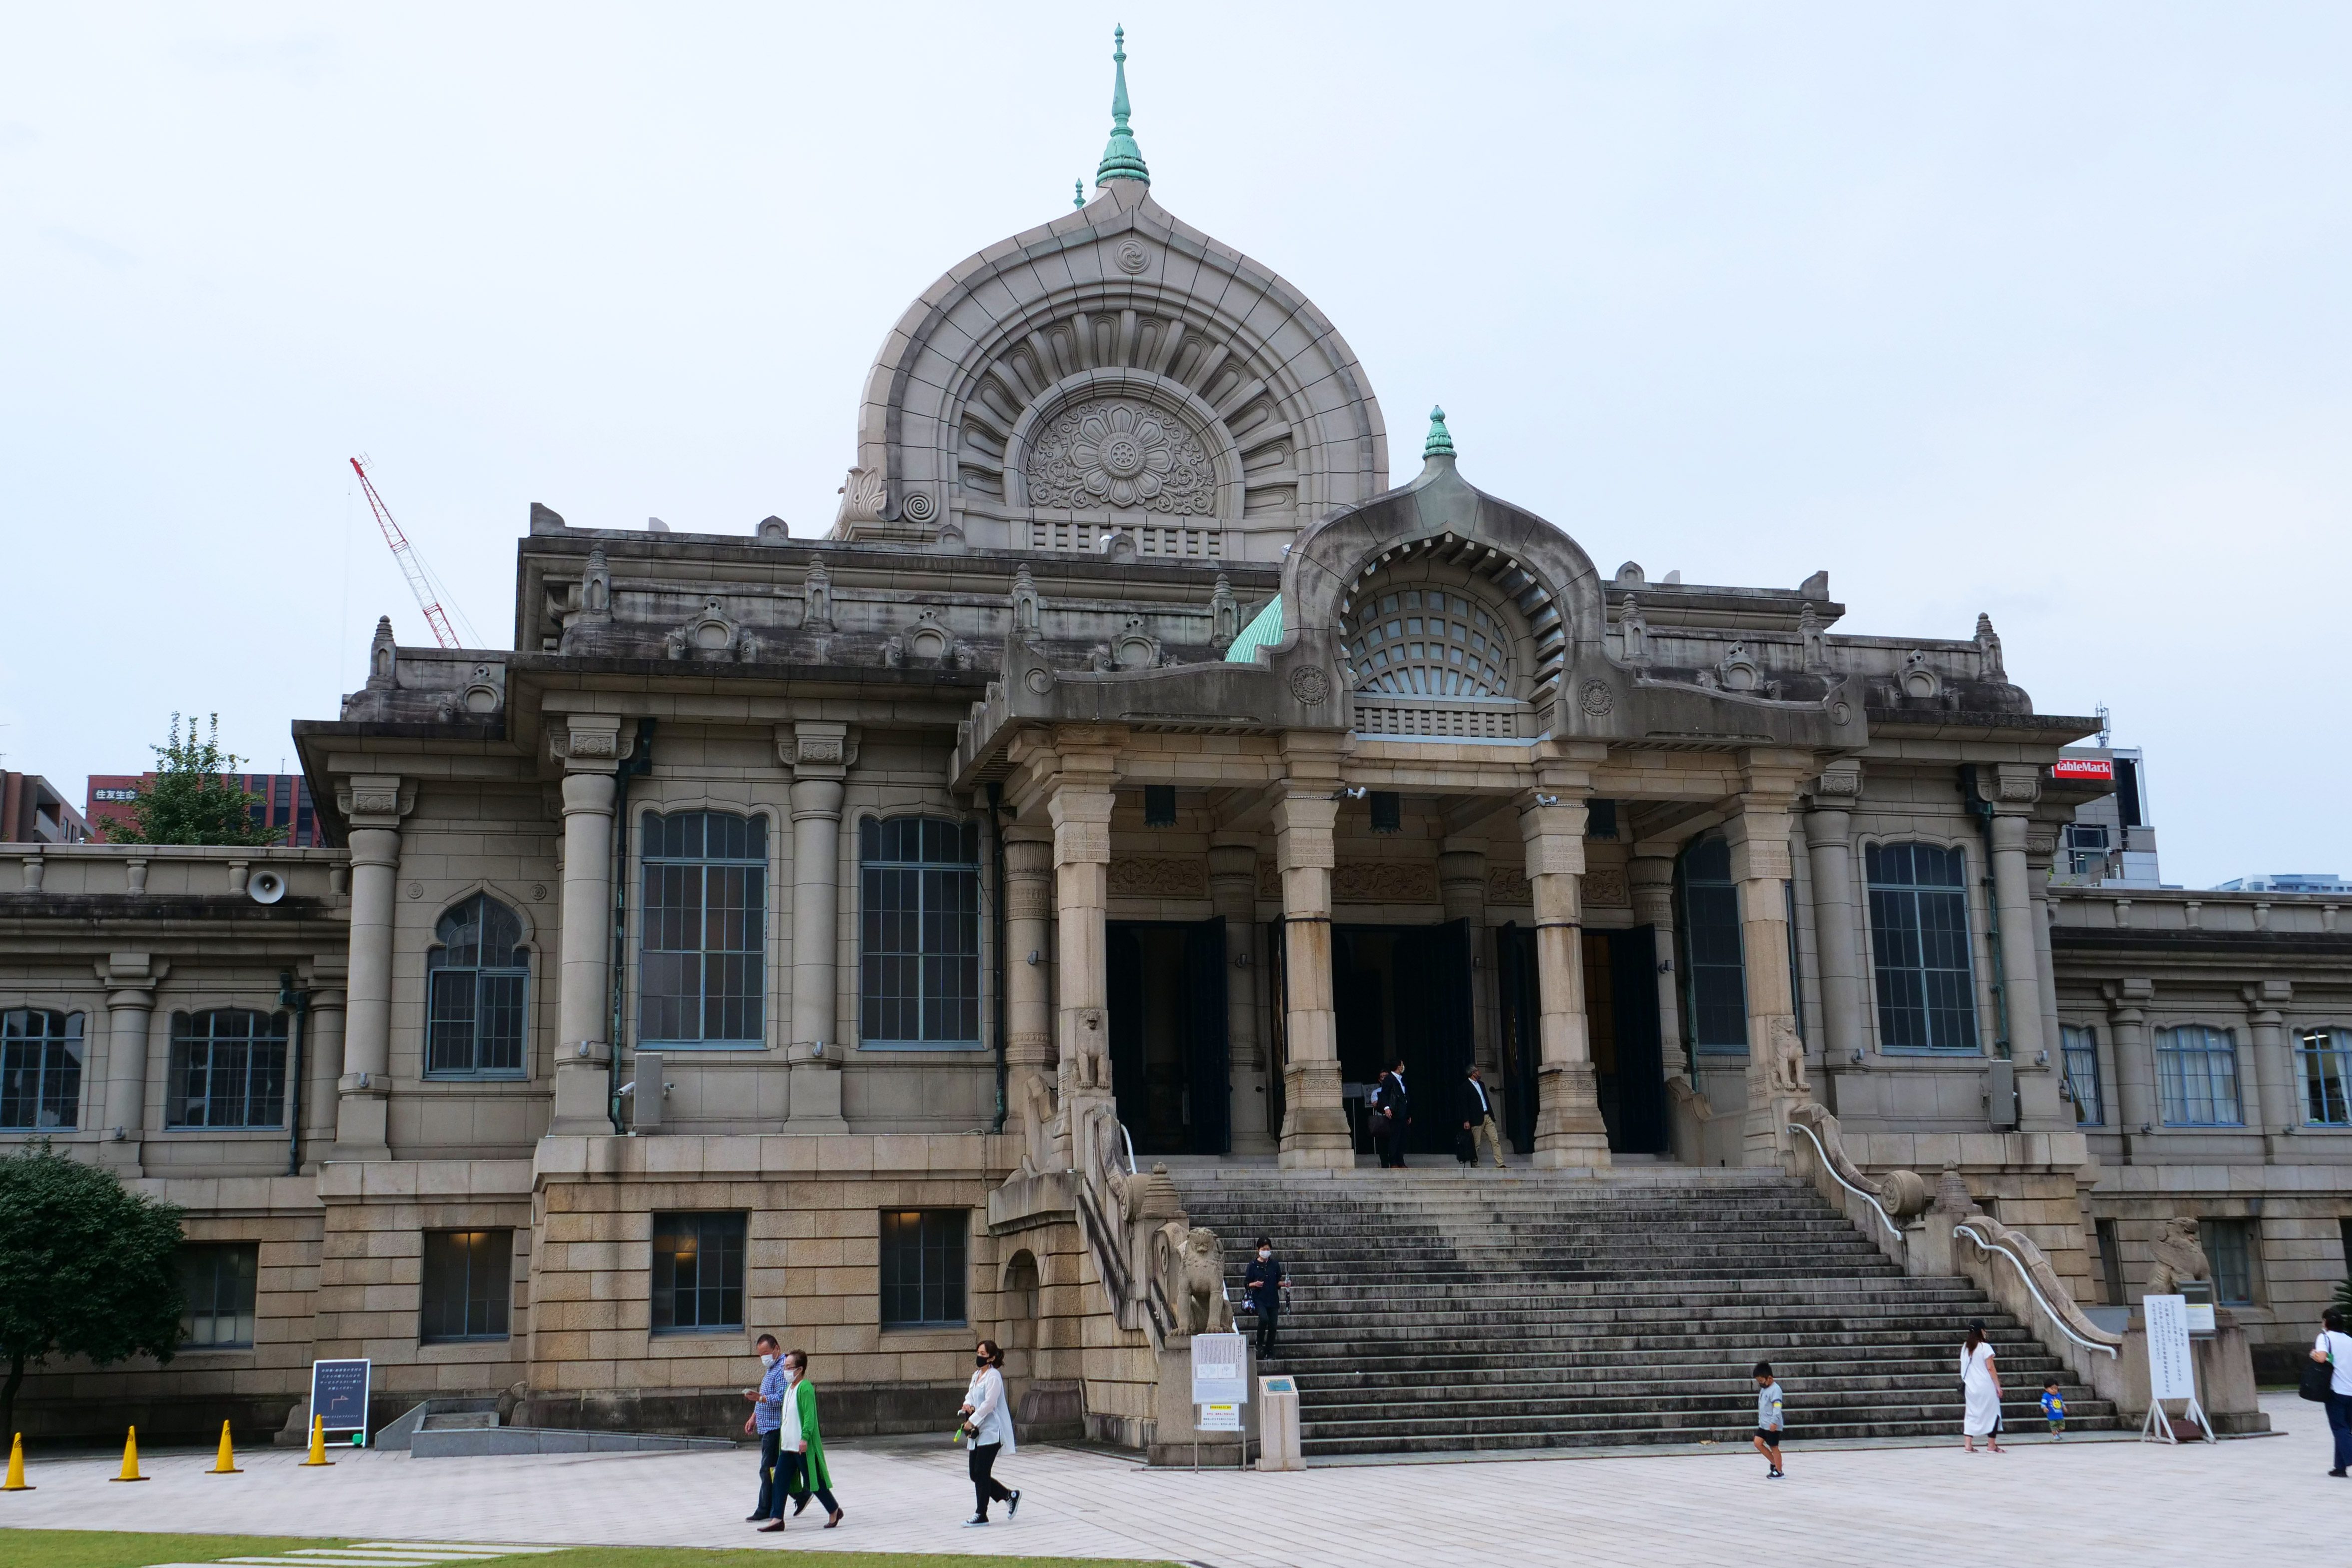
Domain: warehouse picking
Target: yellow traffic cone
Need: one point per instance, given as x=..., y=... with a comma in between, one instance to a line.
x=226, y=1464
x=317, y=1442
x=15, y=1482
x=130, y=1459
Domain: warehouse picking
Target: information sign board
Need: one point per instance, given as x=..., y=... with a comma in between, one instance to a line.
x=2171, y=1375
x=1220, y=1418
x=2198, y=1294
x=1220, y=1369
x=339, y=1392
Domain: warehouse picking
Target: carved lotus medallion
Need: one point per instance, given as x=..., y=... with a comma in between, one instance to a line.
x=1119, y=454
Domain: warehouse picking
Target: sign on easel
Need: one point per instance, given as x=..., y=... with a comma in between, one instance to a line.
x=339, y=1392
x=2171, y=1366
x=1220, y=1369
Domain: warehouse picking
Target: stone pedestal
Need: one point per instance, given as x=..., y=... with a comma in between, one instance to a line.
x=1177, y=1440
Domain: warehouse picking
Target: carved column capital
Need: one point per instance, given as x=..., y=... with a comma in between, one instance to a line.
x=817, y=749
x=375, y=800
x=589, y=743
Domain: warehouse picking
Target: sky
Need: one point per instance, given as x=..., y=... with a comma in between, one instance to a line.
x=2043, y=311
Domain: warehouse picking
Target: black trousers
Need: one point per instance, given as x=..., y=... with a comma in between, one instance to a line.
x=1267, y=1316
x=771, y=1496
x=792, y=1480
x=986, y=1489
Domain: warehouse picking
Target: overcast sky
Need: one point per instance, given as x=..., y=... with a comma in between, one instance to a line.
x=2031, y=310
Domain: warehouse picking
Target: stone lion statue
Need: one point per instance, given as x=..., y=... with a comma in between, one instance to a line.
x=1191, y=1268
x=1785, y=1058
x=2178, y=1256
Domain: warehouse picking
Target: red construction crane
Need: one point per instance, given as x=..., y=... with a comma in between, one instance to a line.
x=410, y=566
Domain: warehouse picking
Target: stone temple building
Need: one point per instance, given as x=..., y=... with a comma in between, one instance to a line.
x=830, y=935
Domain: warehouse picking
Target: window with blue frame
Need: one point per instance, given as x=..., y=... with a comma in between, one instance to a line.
x=1715, y=983
x=2326, y=1059
x=2080, y=1047
x=477, y=980
x=2197, y=1076
x=702, y=977
x=918, y=940
x=1919, y=948
x=40, y=1068
x=228, y=1069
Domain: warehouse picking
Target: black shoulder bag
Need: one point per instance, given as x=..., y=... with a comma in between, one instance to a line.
x=2318, y=1378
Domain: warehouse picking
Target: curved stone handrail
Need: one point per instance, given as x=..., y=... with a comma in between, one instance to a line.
x=2033, y=1267
x=1841, y=1170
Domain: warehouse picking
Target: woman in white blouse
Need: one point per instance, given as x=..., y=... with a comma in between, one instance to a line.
x=988, y=1428
x=2334, y=1346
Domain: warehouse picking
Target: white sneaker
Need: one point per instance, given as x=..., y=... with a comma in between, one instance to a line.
x=975, y=1518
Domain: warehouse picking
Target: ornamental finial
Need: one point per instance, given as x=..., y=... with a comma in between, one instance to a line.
x=1079, y=194
x=1121, y=159
x=1441, y=440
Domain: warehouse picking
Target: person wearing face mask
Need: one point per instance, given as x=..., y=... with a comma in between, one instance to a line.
x=801, y=1471
x=766, y=1420
x=1263, y=1285
x=988, y=1429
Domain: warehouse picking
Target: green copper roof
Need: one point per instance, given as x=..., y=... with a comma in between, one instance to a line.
x=1121, y=159
x=1264, y=631
x=1441, y=440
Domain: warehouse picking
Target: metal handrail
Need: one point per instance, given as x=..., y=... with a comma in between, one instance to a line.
x=1130, y=1147
x=1876, y=1207
x=2027, y=1274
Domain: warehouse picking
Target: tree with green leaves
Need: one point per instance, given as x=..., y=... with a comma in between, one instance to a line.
x=192, y=799
x=88, y=1268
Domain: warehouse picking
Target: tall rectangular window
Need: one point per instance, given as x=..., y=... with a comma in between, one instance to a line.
x=702, y=974
x=923, y=1253
x=1919, y=947
x=40, y=1068
x=228, y=1069
x=468, y=1284
x=2080, y=1046
x=1715, y=985
x=918, y=950
x=217, y=1285
x=2230, y=1247
x=2326, y=1060
x=476, y=980
x=2197, y=1076
x=697, y=1271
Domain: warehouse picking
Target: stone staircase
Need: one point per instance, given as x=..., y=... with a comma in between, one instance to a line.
x=1434, y=1311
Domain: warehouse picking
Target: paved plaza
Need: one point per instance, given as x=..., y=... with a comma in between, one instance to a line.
x=2079, y=1504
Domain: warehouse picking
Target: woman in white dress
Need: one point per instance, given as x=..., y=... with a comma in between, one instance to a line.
x=1981, y=1380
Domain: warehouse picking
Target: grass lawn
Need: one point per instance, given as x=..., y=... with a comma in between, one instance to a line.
x=126, y=1549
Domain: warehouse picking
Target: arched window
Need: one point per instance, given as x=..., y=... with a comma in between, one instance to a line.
x=1919, y=942
x=1429, y=642
x=229, y=1069
x=1715, y=979
x=478, y=976
x=2197, y=1076
x=40, y=1068
x=703, y=971
x=2326, y=1055
x=918, y=949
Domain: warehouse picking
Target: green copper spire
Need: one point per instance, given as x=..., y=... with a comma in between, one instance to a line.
x=1121, y=159
x=1441, y=440
x=1078, y=194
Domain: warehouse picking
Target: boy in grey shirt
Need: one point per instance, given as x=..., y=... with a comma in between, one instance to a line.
x=1769, y=1426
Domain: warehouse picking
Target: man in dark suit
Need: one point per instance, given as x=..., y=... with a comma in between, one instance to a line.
x=1396, y=1116
x=1477, y=1122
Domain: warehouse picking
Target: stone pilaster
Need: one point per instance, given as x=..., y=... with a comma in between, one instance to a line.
x=325, y=977
x=1759, y=835
x=1028, y=966
x=2128, y=1003
x=372, y=805
x=1651, y=879
x=591, y=746
x=1568, y=1129
x=1837, y=912
x=2011, y=789
x=130, y=979
x=1314, y=1123
x=1462, y=893
x=2274, y=1104
x=1078, y=803
x=820, y=755
x=1233, y=893
x=2041, y=1108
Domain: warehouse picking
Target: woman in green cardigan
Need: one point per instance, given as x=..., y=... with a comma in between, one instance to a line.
x=803, y=1450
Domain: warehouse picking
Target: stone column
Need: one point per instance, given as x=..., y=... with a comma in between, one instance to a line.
x=1651, y=880
x=1028, y=963
x=2012, y=789
x=1233, y=893
x=373, y=807
x=130, y=979
x=820, y=754
x=1568, y=1129
x=593, y=746
x=1462, y=893
x=2041, y=1107
x=1315, y=1125
x=1837, y=912
x=2135, y=1063
x=1759, y=835
x=2276, y=1091
x=1079, y=805
x=323, y=1061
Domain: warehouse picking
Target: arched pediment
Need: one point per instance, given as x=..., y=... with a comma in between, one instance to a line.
x=1112, y=370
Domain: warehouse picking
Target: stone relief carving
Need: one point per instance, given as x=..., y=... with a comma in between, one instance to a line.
x=1917, y=679
x=1784, y=1058
x=1598, y=701
x=1633, y=631
x=380, y=655
x=1225, y=615
x=1509, y=885
x=1738, y=670
x=863, y=497
x=1607, y=886
x=1158, y=880
x=1115, y=453
x=1815, y=641
x=1130, y=256
x=1384, y=883
x=1028, y=609
x=917, y=506
x=1310, y=686
x=1988, y=650
x=713, y=635
x=816, y=592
